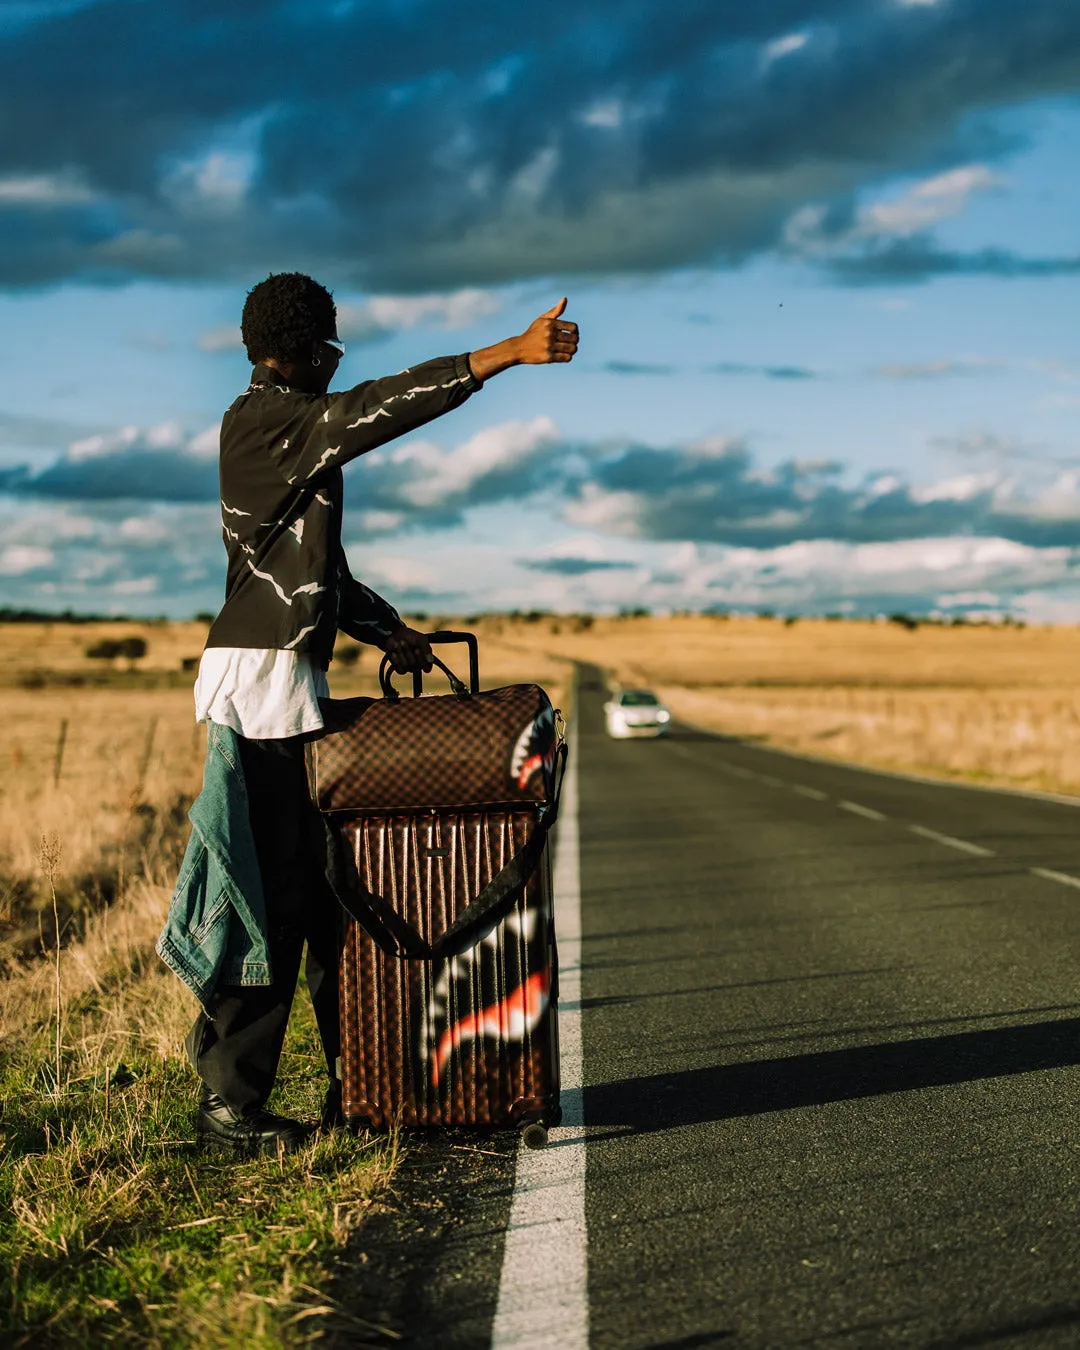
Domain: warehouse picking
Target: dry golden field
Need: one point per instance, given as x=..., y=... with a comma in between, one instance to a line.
x=995, y=704
x=108, y=760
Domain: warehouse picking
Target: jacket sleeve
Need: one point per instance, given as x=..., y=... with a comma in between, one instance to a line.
x=330, y=431
x=363, y=614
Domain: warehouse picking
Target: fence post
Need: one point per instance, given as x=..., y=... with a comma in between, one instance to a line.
x=61, y=741
x=148, y=750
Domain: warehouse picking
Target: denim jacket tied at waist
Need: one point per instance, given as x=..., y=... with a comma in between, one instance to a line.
x=215, y=933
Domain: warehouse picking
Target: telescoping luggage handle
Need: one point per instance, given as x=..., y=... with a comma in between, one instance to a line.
x=389, y=931
x=443, y=635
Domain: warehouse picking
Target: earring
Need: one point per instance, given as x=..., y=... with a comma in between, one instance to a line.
x=315, y=361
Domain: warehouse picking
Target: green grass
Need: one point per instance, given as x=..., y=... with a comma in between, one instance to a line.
x=115, y=1230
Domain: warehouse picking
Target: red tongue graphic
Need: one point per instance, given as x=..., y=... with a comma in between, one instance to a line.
x=508, y=1020
x=530, y=766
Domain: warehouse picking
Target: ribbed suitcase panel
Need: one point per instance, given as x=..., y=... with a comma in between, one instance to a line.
x=469, y=1041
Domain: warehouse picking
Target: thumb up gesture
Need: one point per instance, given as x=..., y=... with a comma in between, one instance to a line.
x=549, y=338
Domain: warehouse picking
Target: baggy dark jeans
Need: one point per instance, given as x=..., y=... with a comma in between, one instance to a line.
x=236, y=1052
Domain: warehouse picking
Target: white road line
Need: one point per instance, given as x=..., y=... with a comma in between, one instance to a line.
x=856, y=810
x=976, y=850
x=770, y=781
x=543, y=1291
x=812, y=793
x=1062, y=877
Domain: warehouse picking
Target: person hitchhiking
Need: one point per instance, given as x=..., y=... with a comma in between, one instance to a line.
x=251, y=889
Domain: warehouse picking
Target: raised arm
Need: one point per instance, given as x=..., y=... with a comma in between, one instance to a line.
x=330, y=431
x=333, y=429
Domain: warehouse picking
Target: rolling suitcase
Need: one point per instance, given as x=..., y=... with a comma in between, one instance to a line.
x=437, y=812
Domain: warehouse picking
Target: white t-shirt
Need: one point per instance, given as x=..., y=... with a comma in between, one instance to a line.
x=262, y=693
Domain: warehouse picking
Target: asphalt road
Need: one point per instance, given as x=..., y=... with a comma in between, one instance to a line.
x=830, y=1062
x=831, y=1035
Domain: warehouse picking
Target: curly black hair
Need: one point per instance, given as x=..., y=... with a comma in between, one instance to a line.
x=284, y=315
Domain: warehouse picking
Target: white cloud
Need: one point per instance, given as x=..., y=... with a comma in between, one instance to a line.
x=225, y=338
x=382, y=314
x=822, y=575
x=604, y=113
x=44, y=190
x=135, y=586
x=143, y=530
x=18, y=559
x=938, y=369
x=613, y=512
x=427, y=476
x=215, y=183
x=401, y=573
x=784, y=46
x=206, y=444
x=380, y=522
x=809, y=232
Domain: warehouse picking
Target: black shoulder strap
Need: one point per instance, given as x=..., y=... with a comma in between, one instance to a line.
x=389, y=931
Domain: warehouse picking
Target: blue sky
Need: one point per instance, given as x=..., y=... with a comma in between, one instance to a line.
x=825, y=257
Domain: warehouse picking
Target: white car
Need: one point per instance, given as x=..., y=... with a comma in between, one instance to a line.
x=636, y=712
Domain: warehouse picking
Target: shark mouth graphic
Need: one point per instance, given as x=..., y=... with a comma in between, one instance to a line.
x=508, y=1020
x=534, y=750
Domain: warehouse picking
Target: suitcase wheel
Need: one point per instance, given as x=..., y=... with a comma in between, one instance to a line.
x=534, y=1135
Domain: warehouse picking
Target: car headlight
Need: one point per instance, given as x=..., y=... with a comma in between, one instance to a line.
x=663, y=715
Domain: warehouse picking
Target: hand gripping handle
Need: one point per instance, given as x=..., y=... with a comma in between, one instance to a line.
x=386, y=671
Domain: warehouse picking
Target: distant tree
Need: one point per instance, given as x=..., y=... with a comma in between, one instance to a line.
x=347, y=656
x=904, y=621
x=790, y=620
x=130, y=649
x=108, y=649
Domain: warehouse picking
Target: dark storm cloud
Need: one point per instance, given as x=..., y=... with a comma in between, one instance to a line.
x=917, y=260
x=721, y=496
x=769, y=372
x=575, y=567
x=636, y=368
x=412, y=146
x=131, y=466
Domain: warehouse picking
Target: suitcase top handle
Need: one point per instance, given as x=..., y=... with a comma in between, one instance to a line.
x=443, y=635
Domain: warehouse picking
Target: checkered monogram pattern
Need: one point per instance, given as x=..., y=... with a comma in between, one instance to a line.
x=444, y=751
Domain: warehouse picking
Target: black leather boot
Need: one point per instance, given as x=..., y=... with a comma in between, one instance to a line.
x=248, y=1133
